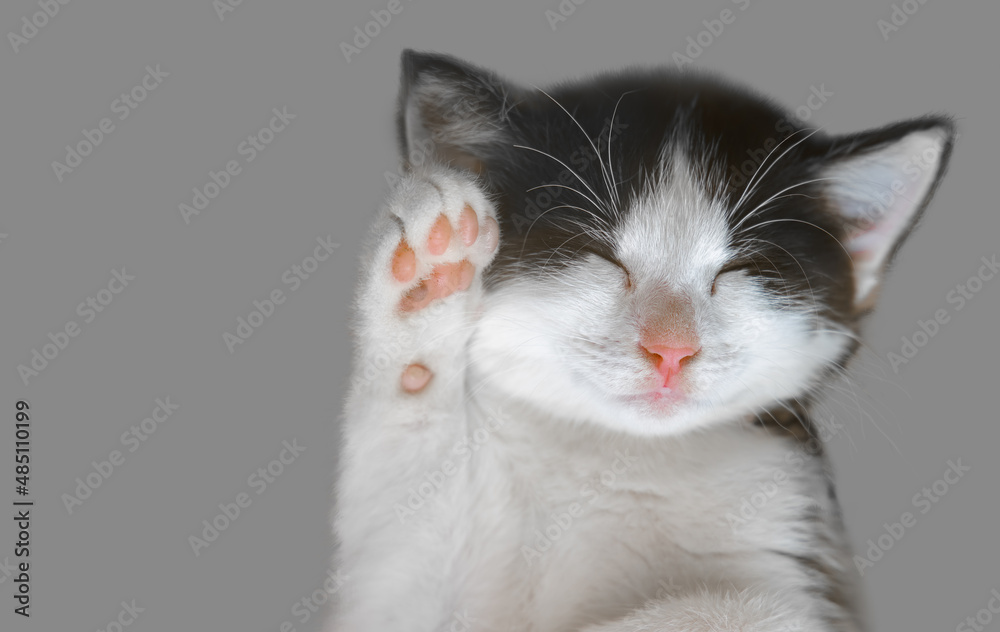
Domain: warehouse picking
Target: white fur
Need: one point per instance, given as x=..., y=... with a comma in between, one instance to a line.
x=532, y=425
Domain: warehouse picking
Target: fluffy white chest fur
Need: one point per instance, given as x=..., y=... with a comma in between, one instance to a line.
x=494, y=534
x=599, y=526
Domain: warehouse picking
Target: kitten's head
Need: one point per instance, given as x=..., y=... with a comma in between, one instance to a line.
x=674, y=251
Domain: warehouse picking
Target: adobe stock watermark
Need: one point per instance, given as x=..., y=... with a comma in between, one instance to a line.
x=914, y=168
x=132, y=439
x=460, y=622
x=88, y=309
x=667, y=588
x=898, y=17
x=714, y=28
x=544, y=197
x=564, y=10
x=423, y=150
x=751, y=505
x=958, y=297
x=461, y=453
x=366, y=33
x=982, y=618
x=123, y=106
x=559, y=523
x=7, y=569
x=257, y=481
x=306, y=608
x=420, y=153
x=222, y=7
x=126, y=617
x=30, y=27
x=818, y=96
x=924, y=500
x=397, y=344
x=249, y=149
x=293, y=278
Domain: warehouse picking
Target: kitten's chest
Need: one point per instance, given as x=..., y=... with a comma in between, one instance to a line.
x=583, y=526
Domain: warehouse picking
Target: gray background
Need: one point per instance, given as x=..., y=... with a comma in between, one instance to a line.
x=324, y=175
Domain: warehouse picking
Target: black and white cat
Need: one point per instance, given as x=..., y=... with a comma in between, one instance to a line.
x=587, y=341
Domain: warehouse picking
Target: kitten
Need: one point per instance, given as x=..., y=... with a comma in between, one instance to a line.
x=589, y=337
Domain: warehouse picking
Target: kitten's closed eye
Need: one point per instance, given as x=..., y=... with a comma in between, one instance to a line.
x=742, y=265
x=626, y=275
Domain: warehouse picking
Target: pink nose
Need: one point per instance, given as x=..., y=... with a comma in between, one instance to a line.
x=668, y=361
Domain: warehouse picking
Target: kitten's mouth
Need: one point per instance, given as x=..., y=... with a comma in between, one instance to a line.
x=662, y=398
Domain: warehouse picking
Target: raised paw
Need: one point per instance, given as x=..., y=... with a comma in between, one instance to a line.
x=445, y=259
x=439, y=232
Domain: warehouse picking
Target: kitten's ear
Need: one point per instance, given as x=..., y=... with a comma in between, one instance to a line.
x=451, y=111
x=880, y=183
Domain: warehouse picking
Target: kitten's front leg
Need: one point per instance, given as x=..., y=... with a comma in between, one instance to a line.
x=396, y=513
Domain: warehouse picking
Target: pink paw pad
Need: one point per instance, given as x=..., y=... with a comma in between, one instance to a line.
x=468, y=226
x=440, y=236
x=415, y=378
x=444, y=279
x=491, y=234
x=404, y=262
